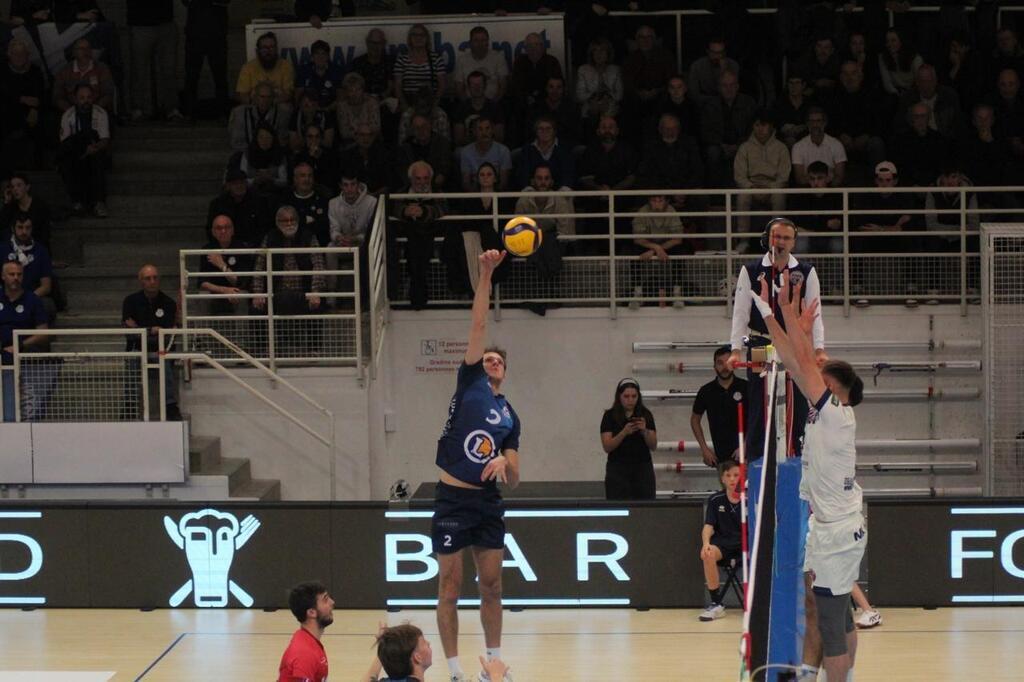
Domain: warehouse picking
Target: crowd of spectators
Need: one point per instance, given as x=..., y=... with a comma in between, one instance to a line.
x=831, y=99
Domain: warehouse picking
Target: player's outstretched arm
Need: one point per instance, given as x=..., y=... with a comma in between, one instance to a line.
x=804, y=372
x=800, y=321
x=489, y=260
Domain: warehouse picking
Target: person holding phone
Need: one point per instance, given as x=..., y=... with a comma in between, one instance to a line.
x=627, y=435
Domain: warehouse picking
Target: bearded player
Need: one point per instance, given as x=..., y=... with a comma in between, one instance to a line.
x=477, y=449
x=836, y=535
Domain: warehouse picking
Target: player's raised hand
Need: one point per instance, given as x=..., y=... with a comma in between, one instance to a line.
x=490, y=260
x=808, y=315
x=785, y=290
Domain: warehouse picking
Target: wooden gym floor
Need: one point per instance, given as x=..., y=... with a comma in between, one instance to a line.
x=962, y=644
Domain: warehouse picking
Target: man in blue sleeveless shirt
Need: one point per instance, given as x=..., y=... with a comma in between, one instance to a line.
x=778, y=240
x=478, y=447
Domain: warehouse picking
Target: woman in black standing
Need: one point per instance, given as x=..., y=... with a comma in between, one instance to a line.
x=627, y=435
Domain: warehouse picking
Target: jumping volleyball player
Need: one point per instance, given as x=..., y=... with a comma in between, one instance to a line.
x=836, y=536
x=478, y=447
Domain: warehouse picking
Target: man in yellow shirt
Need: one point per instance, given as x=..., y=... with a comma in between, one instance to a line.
x=269, y=67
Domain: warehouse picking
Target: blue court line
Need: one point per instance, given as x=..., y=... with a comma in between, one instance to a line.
x=161, y=656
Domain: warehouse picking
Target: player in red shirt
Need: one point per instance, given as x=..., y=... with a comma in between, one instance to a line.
x=305, y=659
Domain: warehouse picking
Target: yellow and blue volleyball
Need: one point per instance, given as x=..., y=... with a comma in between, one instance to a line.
x=521, y=236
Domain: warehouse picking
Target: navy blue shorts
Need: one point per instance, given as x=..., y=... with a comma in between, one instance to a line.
x=465, y=517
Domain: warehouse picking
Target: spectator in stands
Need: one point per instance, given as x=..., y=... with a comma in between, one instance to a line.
x=484, y=149
x=791, y=110
x=941, y=100
x=547, y=260
x=1007, y=54
x=368, y=159
x=206, y=38
x=608, y=162
x=761, y=162
x=219, y=270
x=897, y=63
x=986, y=159
x=818, y=146
x=886, y=177
x=425, y=144
x=23, y=203
x=1008, y=106
x=419, y=68
x=473, y=105
x=645, y=71
x=705, y=72
x=266, y=67
x=676, y=100
x=417, y=221
x=966, y=73
x=720, y=537
x=671, y=162
x=947, y=196
x=309, y=204
x=325, y=161
x=22, y=96
x=376, y=67
x=655, y=271
x=309, y=114
x=821, y=68
x=921, y=150
x=719, y=398
x=82, y=157
x=264, y=162
x=240, y=202
x=854, y=116
x=293, y=294
x=425, y=105
x=531, y=71
x=319, y=77
x=151, y=309
x=725, y=123
x=19, y=309
x=480, y=58
x=599, y=83
x=857, y=52
x=263, y=112
x=557, y=106
x=83, y=68
x=356, y=107
x=154, y=59
x=351, y=213
x=546, y=148
x=628, y=433
x=826, y=211
x=34, y=257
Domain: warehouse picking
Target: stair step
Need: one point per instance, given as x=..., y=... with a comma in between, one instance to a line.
x=203, y=452
x=162, y=252
x=188, y=159
x=235, y=468
x=134, y=228
x=152, y=132
x=262, y=489
x=186, y=185
x=89, y=319
x=194, y=204
x=168, y=272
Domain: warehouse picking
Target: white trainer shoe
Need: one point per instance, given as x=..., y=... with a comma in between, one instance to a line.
x=869, y=619
x=713, y=612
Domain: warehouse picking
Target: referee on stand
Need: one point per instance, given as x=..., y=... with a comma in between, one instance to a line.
x=749, y=330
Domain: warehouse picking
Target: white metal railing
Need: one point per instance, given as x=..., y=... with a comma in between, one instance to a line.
x=290, y=316
x=166, y=339
x=854, y=267
x=378, y=273
x=81, y=385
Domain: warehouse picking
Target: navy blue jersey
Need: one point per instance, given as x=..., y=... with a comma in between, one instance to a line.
x=480, y=425
x=724, y=516
x=25, y=312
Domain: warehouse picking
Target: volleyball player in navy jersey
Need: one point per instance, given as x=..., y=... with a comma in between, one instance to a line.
x=477, y=449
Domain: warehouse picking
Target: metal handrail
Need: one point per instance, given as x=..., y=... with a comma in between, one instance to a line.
x=329, y=442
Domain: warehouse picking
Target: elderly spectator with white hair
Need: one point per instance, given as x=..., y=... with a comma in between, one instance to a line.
x=417, y=219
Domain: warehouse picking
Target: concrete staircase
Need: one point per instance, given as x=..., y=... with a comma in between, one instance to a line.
x=205, y=464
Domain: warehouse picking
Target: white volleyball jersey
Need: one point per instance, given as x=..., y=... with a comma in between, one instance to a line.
x=829, y=480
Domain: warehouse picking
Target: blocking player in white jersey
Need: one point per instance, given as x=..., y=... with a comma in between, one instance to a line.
x=836, y=535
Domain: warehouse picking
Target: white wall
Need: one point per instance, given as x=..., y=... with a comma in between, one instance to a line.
x=563, y=369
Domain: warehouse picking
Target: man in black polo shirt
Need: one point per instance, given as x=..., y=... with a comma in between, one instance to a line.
x=19, y=309
x=719, y=399
x=152, y=309
x=218, y=271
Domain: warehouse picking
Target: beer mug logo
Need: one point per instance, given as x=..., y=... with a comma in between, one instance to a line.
x=210, y=547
